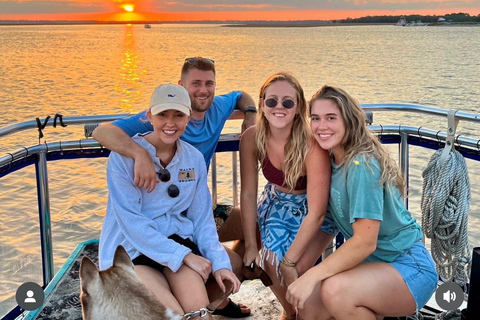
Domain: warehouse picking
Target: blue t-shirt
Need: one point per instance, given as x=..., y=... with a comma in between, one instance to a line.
x=357, y=193
x=203, y=134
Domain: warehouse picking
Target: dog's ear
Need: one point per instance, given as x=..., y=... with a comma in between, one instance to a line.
x=121, y=258
x=88, y=273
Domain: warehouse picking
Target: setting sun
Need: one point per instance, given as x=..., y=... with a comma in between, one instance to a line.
x=128, y=7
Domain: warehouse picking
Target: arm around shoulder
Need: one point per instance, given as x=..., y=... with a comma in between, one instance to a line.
x=115, y=139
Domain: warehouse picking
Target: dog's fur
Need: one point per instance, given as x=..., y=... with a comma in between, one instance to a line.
x=117, y=293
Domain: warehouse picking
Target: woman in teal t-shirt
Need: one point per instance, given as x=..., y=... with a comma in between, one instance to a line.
x=383, y=269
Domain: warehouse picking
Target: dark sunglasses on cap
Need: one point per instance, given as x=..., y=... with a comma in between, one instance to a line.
x=286, y=103
x=164, y=176
x=194, y=60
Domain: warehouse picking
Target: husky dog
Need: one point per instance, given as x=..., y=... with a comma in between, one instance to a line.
x=117, y=293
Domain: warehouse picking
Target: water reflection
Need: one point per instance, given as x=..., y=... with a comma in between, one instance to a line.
x=130, y=86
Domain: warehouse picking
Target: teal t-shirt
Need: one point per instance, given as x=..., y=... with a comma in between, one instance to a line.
x=357, y=193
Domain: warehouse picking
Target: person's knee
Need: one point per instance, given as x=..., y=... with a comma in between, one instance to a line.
x=333, y=291
x=310, y=309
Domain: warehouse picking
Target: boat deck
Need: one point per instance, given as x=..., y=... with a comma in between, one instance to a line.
x=62, y=295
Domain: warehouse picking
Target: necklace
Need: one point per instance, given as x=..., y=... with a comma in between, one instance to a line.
x=165, y=163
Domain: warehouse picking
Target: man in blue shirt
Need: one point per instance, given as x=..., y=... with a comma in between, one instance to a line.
x=208, y=116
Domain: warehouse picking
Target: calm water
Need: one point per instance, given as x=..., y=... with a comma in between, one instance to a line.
x=82, y=70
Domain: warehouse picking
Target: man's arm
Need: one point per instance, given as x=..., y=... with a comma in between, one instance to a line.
x=246, y=101
x=115, y=139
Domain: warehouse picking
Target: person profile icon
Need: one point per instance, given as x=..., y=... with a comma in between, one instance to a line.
x=30, y=298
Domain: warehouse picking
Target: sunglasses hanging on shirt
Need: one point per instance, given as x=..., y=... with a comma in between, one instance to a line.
x=165, y=176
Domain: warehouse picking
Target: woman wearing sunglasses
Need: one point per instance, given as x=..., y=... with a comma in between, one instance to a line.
x=169, y=233
x=383, y=269
x=296, y=169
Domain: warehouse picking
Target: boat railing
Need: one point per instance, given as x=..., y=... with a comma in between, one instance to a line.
x=39, y=154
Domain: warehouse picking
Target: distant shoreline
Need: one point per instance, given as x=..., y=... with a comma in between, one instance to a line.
x=290, y=24
x=226, y=24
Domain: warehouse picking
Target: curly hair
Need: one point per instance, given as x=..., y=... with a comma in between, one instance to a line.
x=358, y=138
x=301, y=138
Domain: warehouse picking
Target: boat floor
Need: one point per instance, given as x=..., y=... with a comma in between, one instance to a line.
x=62, y=295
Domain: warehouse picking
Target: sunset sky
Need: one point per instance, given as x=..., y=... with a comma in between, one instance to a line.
x=124, y=10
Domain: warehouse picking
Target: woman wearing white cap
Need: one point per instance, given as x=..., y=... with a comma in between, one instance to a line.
x=169, y=233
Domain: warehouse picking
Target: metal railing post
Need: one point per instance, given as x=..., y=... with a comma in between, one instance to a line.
x=404, y=162
x=44, y=216
x=235, y=178
x=213, y=167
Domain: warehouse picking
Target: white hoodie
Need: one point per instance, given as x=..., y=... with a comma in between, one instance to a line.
x=141, y=222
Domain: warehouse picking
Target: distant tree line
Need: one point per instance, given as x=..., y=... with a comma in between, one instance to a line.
x=455, y=17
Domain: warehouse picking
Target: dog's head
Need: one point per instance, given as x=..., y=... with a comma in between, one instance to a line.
x=99, y=288
x=116, y=293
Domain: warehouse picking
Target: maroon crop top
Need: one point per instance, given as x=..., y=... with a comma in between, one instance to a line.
x=277, y=177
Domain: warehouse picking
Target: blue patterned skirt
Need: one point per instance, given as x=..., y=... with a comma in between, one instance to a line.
x=280, y=215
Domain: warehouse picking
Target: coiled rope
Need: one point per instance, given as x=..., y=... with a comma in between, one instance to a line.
x=446, y=315
x=445, y=206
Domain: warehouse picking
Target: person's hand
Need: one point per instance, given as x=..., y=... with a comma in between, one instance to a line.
x=145, y=175
x=290, y=274
x=224, y=274
x=300, y=290
x=251, y=255
x=199, y=264
x=248, y=120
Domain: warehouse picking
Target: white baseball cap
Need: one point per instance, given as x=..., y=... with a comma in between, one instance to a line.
x=170, y=97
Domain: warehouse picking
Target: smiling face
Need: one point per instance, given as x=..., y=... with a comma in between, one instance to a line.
x=169, y=125
x=200, y=85
x=278, y=116
x=328, y=127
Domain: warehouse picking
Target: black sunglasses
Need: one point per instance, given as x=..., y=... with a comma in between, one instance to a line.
x=194, y=60
x=286, y=103
x=164, y=176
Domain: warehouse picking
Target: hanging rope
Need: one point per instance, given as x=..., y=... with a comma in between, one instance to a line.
x=445, y=206
x=41, y=126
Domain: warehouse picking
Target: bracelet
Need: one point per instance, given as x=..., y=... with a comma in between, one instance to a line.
x=288, y=263
x=250, y=109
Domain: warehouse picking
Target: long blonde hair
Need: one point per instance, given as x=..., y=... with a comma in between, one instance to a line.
x=300, y=137
x=358, y=138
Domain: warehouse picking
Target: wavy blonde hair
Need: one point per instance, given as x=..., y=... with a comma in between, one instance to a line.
x=358, y=138
x=300, y=137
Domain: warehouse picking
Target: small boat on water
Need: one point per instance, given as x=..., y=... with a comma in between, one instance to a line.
x=62, y=289
x=402, y=22
x=147, y=26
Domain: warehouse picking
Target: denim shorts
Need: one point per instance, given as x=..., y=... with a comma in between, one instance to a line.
x=418, y=270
